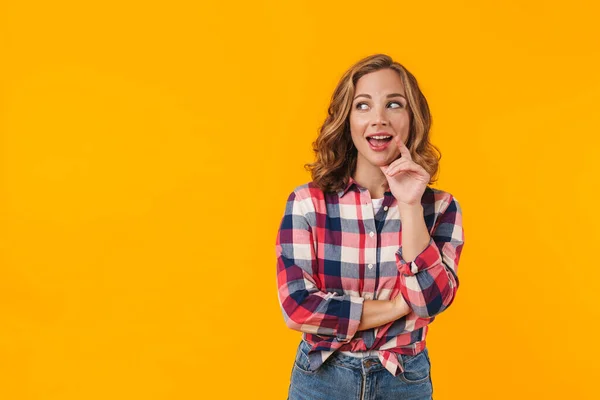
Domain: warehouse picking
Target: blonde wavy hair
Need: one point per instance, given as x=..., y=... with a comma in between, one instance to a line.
x=335, y=152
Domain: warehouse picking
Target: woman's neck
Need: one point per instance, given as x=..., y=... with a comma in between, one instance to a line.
x=370, y=177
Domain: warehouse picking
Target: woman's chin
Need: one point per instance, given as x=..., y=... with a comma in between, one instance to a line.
x=381, y=161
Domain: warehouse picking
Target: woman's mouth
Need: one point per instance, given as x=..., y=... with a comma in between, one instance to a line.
x=379, y=142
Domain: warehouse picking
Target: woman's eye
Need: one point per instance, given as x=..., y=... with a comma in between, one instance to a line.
x=398, y=105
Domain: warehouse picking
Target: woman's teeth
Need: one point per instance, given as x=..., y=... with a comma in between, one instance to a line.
x=380, y=137
x=378, y=141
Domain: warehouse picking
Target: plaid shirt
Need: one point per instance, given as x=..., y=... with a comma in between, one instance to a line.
x=333, y=253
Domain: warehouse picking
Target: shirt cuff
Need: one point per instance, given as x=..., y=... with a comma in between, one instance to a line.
x=353, y=321
x=428, y=258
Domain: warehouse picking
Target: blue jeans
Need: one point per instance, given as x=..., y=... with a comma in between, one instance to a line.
x=347, y=378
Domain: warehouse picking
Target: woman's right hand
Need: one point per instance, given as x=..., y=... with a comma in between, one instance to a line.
x=377, y=313
x=400, y=305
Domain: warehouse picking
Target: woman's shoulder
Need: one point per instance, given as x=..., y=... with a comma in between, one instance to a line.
x=308, y=190
x=437, y=193
x=439, y=199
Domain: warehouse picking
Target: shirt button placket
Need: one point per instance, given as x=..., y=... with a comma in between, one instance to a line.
x=371, y=243
x=370, y=259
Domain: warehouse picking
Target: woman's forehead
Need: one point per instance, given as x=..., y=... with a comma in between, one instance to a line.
x=380, y=83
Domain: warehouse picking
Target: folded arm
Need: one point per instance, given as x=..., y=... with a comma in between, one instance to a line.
x=305, y=307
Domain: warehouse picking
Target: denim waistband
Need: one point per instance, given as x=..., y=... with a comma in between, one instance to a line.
x=360, y=354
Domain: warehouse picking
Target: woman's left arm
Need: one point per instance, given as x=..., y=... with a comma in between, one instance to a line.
x=427, y=263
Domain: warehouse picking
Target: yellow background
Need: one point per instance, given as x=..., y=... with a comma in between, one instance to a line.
x=147, y=151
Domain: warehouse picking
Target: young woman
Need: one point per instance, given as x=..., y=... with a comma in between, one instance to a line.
x=367, y=252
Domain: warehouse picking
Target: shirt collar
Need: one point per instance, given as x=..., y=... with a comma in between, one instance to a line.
x=352, y=182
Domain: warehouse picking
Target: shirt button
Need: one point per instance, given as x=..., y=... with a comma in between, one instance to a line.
x=370, y=266
x=371, y=234
x=385, y=208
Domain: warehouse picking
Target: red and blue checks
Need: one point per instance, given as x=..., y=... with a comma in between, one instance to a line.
x=333, y=253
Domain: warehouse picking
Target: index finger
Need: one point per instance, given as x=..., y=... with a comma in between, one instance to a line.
x=404, y=152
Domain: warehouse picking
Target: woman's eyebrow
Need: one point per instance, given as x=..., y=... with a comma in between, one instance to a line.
x=388, y=96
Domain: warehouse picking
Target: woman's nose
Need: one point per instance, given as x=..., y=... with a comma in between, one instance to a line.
x=380, y=118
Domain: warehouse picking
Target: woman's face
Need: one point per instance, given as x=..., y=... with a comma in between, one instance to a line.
x=379, y=114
